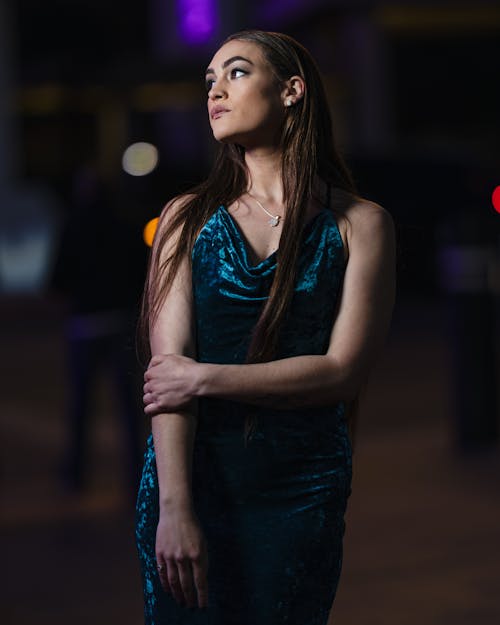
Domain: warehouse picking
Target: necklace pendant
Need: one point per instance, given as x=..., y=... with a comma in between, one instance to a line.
x=274, y=221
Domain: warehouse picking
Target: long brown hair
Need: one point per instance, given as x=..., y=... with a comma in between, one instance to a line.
x=308, y=151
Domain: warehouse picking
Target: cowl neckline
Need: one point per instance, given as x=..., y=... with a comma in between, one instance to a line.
x=243, y=246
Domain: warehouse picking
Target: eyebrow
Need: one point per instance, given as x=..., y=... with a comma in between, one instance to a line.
x=228, y=62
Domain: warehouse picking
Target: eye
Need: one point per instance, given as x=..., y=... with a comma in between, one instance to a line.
x=237, y=72
x=209, y=83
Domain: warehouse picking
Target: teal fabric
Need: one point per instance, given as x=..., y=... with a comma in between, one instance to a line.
x=272, y=508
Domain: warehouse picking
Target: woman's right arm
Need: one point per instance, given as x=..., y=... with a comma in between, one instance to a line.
x=180, y=544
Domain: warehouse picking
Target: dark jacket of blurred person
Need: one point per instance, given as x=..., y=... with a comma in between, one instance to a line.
x=100, y=271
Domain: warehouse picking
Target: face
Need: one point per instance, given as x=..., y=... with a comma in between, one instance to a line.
x=245, y=103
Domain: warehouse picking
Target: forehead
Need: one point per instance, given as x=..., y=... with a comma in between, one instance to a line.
x=245, y=49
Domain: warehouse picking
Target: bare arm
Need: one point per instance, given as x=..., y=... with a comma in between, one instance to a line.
x=180, y=546
x=358, y=333
x=174, y=432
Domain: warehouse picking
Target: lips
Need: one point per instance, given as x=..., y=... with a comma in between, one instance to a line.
x=217, y=111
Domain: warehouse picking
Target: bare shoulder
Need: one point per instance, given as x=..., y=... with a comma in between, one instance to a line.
x=367, y=218
x=173, y=206
x=360, y=220
x=371, y=237
x=169, y=228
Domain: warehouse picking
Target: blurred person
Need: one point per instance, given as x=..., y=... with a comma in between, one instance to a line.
x=269, y=294
x=99, y=271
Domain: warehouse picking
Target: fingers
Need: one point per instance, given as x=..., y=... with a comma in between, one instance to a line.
x=151, y=409
x=159, y=359
x=185, y=580
x=149, y=402
x=148, y=398
x=174, y=581
x=148, y=374
x=162, y=574
x=201, y=581
x=148, y=386
x=148, y=390
x=156, y=360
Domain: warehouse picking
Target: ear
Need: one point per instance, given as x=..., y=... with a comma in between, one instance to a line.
x=293, y=90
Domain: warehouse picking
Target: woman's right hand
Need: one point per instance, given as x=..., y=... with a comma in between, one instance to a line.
x=181, y=557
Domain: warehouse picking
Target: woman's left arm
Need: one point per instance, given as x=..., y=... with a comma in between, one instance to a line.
x=358, y=334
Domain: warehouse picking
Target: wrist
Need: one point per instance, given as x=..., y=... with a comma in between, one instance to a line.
x=205, y=379
x=176, y=504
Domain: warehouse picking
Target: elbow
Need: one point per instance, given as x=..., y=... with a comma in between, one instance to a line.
x=349, y=381
x=354, y=384
x=348, y=389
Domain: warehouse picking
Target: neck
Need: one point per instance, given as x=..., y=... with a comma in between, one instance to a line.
x=264, y=167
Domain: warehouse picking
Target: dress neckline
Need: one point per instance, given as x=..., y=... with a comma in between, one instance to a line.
x=244, y=246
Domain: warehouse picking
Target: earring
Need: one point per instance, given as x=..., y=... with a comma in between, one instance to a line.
x=289, y=102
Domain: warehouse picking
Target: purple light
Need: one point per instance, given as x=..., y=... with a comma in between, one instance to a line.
x=271, y=10
x=197, y=20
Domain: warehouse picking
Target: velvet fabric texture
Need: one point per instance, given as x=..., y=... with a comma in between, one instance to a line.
x=272, y=507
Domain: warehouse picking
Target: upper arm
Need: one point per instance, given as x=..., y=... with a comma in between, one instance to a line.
x=172, y=330
x=368, y=293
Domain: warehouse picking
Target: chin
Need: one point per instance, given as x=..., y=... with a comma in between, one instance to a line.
x=245, y=139
x=220, y=138
x=224, y=135
x=227, y=133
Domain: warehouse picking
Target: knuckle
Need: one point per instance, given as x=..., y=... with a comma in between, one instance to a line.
x=181, y=557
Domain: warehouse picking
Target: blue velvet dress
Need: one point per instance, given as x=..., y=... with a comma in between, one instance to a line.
x=272, y=508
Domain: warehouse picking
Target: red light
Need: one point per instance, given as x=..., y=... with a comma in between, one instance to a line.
x=495, y=199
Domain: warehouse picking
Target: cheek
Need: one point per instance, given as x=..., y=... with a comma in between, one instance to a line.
x=259, y=110
x=269, y=105
x=252, y=109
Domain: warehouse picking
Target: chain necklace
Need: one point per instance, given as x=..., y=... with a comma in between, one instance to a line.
x=273, y=220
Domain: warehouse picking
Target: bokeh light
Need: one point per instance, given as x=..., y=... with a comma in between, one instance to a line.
x=197, y=20
x=148, y=234
x=140, y=158
x=495, y=199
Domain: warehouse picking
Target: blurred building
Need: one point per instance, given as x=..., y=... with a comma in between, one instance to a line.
x=412, y=85
x=413, y=89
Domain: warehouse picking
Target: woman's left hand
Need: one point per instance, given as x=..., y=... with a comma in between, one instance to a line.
x=170, y=383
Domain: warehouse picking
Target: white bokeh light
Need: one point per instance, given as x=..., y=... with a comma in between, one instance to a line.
x=140, y=158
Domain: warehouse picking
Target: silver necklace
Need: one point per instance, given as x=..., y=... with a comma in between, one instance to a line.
x=273, y=220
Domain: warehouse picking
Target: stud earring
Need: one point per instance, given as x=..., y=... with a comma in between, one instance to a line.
x=289, y=102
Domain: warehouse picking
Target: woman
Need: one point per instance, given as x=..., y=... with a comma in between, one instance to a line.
x=269, y=295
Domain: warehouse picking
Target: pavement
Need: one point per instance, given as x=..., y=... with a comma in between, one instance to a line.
x=423, y=522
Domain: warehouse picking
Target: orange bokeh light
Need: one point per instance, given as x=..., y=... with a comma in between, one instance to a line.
x=148, y=233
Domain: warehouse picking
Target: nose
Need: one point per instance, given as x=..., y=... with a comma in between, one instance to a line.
x=216, y=91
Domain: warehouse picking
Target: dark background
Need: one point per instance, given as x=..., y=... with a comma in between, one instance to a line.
x=415, y=97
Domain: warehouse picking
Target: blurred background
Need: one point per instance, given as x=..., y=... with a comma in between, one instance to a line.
x=102, y=120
